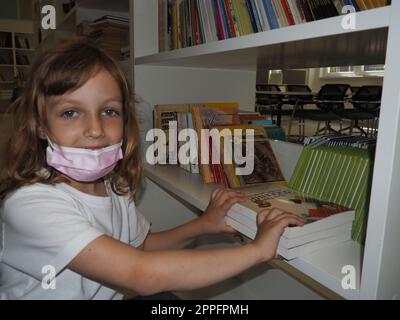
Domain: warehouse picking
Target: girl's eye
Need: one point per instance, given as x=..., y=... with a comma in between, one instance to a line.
x=111, y=113
x=69, y=114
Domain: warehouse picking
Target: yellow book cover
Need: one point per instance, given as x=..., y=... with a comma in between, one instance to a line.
x=245, y=17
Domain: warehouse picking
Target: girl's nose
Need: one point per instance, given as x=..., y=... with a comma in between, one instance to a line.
x=94, y=128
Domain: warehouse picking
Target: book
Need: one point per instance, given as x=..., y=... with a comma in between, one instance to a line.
x=164, y=114
x=326, y=222
x=297, y=251
x=266, y=167
x=319, y=214
x=337, y=174
x=206, y=116
x=248, y=227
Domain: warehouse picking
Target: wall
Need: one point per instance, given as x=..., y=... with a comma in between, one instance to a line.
x=8, y=9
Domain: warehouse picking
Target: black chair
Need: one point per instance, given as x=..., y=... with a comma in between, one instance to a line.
x=267, y=103
x=366, y=102
x=354, y=90
x=298, y=102
x=330, y=101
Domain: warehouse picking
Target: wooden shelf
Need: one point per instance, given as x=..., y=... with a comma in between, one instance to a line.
x=314, y=44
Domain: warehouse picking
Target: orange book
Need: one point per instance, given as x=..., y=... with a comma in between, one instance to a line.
x=361, y=4
x=206, y=116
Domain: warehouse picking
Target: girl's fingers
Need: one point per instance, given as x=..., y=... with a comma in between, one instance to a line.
x=230, y=202
x=216, y=193
x=229, y=194
x=272, y=213
x=287, y=220
x=262, y=216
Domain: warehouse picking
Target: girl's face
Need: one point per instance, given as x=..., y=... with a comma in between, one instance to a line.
x=90, y=117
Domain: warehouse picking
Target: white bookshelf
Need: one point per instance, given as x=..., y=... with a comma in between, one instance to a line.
x=276, y=47
x=323, y=266
x=317, y=44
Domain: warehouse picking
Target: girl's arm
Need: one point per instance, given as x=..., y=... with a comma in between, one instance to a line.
x=211, y=221
x=109, y=261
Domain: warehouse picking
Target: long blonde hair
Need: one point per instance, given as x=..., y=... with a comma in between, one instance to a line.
x=65, y=68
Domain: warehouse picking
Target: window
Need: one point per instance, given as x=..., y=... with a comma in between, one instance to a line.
x=346, y=69
x=353, y=71
x=376, y=68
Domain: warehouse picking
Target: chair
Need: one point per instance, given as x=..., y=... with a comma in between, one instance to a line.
x=354, y=90
x=330, y=101
x=366, y=103
x=267, y=103
x=298, y=102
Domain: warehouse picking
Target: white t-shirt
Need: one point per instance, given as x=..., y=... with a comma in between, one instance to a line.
x=42, y=225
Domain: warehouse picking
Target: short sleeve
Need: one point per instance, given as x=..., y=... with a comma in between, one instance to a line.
x=42, y=227
x=139, y=226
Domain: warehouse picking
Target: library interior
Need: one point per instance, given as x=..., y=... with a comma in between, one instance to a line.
x=318, y=83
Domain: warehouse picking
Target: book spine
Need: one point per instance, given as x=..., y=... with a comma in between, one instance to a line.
x=288, y=14
x=270, y=14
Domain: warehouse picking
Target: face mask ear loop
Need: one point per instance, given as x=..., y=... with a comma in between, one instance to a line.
x=52, y=147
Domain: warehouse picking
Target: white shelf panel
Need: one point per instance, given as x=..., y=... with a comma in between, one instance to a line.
x=302, y=45
x=324, y=266
x=187, y=186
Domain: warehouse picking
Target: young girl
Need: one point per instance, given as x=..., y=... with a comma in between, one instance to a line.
x=73, y=167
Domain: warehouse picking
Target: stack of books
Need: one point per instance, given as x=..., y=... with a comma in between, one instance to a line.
x=326, y=223
x=111, y=34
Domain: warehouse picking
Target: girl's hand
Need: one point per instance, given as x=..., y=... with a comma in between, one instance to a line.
x=221, y=201
x=271, y=224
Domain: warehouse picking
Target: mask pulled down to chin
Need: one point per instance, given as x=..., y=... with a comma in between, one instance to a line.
x=83, y=165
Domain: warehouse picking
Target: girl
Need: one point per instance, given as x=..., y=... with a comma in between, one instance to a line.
x=69, y=228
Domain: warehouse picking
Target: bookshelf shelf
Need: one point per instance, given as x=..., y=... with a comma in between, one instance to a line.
x=25, y=49
x=213, y=70
x=324, y=266
x=314, y=44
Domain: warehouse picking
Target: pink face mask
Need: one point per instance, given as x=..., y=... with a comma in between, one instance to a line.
x=81, y=164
